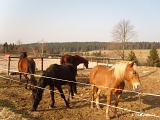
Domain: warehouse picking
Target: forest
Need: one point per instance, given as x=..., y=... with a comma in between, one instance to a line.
x=58, y=48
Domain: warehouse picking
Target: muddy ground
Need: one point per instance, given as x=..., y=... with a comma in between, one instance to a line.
x=15, y=101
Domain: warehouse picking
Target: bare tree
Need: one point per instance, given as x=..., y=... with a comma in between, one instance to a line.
x=19, y=42
x=42, y=45
x=19, y=47
x=33, y=50
x=122, y=34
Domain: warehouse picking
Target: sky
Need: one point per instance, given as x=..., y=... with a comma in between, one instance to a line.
x=32, y=21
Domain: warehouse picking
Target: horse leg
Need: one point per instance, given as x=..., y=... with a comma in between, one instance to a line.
x=52, y=96
x=108, y=105
x=27, y=79
x=62, y=95
x=94, y=90
x=20, y=77
x=97, y=98
x=70, y=92
x=116, y=104
x=74, y=86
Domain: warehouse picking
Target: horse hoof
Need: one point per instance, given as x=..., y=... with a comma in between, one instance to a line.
x=68, y=106
x=116, y=116
x=51, y=106
x=30, y=88
x=98, y=107
x=92, y=107
x=107, y=117
x=33, y=109
x=26, y=87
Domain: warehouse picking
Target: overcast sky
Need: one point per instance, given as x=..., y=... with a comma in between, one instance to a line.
x=76, y=20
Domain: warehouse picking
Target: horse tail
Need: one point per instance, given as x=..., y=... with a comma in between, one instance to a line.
x=31, y=68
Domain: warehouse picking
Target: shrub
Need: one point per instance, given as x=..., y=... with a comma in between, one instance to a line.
x=153, y=59
x=132, y=56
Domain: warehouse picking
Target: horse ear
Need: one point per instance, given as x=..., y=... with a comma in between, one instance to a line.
x=132, y=63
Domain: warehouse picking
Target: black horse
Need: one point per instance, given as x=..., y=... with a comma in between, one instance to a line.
x=62, y=72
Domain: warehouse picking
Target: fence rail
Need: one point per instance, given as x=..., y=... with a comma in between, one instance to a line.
x=98, y=60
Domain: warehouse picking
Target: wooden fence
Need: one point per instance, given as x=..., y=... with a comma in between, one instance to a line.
x=98, y=60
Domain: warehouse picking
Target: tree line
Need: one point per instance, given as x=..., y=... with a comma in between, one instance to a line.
x=57, y=48
x=77, y=47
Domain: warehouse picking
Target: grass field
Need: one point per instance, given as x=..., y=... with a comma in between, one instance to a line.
x=140, y=54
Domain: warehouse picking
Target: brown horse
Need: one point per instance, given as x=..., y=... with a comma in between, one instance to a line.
x=111, y=80
x=27, y=65
x=75, y=60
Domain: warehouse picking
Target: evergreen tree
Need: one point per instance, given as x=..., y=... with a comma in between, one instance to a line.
x=132, y=56
x=153, y=58
x=5, y=47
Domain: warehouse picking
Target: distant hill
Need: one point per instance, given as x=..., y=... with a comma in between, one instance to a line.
x=74, y=47
x=89, y=46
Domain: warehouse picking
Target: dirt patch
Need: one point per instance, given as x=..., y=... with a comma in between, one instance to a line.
x=16, y=99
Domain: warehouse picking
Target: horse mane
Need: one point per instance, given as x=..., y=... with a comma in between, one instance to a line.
x=119, y=69
x=23, y=55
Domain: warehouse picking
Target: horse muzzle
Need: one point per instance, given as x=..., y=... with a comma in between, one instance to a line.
x=136, y=86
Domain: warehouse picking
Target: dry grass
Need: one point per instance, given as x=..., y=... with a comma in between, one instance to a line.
x=7, y=114
x=14, y=98
x=140, y=54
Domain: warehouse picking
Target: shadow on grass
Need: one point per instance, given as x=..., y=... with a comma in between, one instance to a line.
x=8, y=104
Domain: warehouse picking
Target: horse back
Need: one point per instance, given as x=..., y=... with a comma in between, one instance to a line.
x=101, y=75
x=64, y=71
x=67, y=59
x=24, y=64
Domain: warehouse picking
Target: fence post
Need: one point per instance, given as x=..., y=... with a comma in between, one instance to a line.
x=8, y=65
x=42, y=64
x=107, y=61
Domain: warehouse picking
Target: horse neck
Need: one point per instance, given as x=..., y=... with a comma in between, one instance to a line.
x=34, y=81
x=82, y=60
x=42, y=83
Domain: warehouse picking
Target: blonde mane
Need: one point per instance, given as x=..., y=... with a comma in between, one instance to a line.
x=119, y=69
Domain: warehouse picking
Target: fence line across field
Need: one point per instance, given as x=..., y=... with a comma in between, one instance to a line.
x=41, y=60
x=141, y=114
x=124, y=90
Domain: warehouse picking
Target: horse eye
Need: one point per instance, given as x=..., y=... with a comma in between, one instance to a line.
x=134, y=72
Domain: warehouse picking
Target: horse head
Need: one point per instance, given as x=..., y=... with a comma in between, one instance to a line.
x=86, y=64
x=82, y=60
x=23, y=55
x=132, y=76
x=37, y=95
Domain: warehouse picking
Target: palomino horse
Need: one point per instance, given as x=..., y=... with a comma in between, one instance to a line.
x=111, y=80
x=56, y=76
x=27, y=65
x=75, y=60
